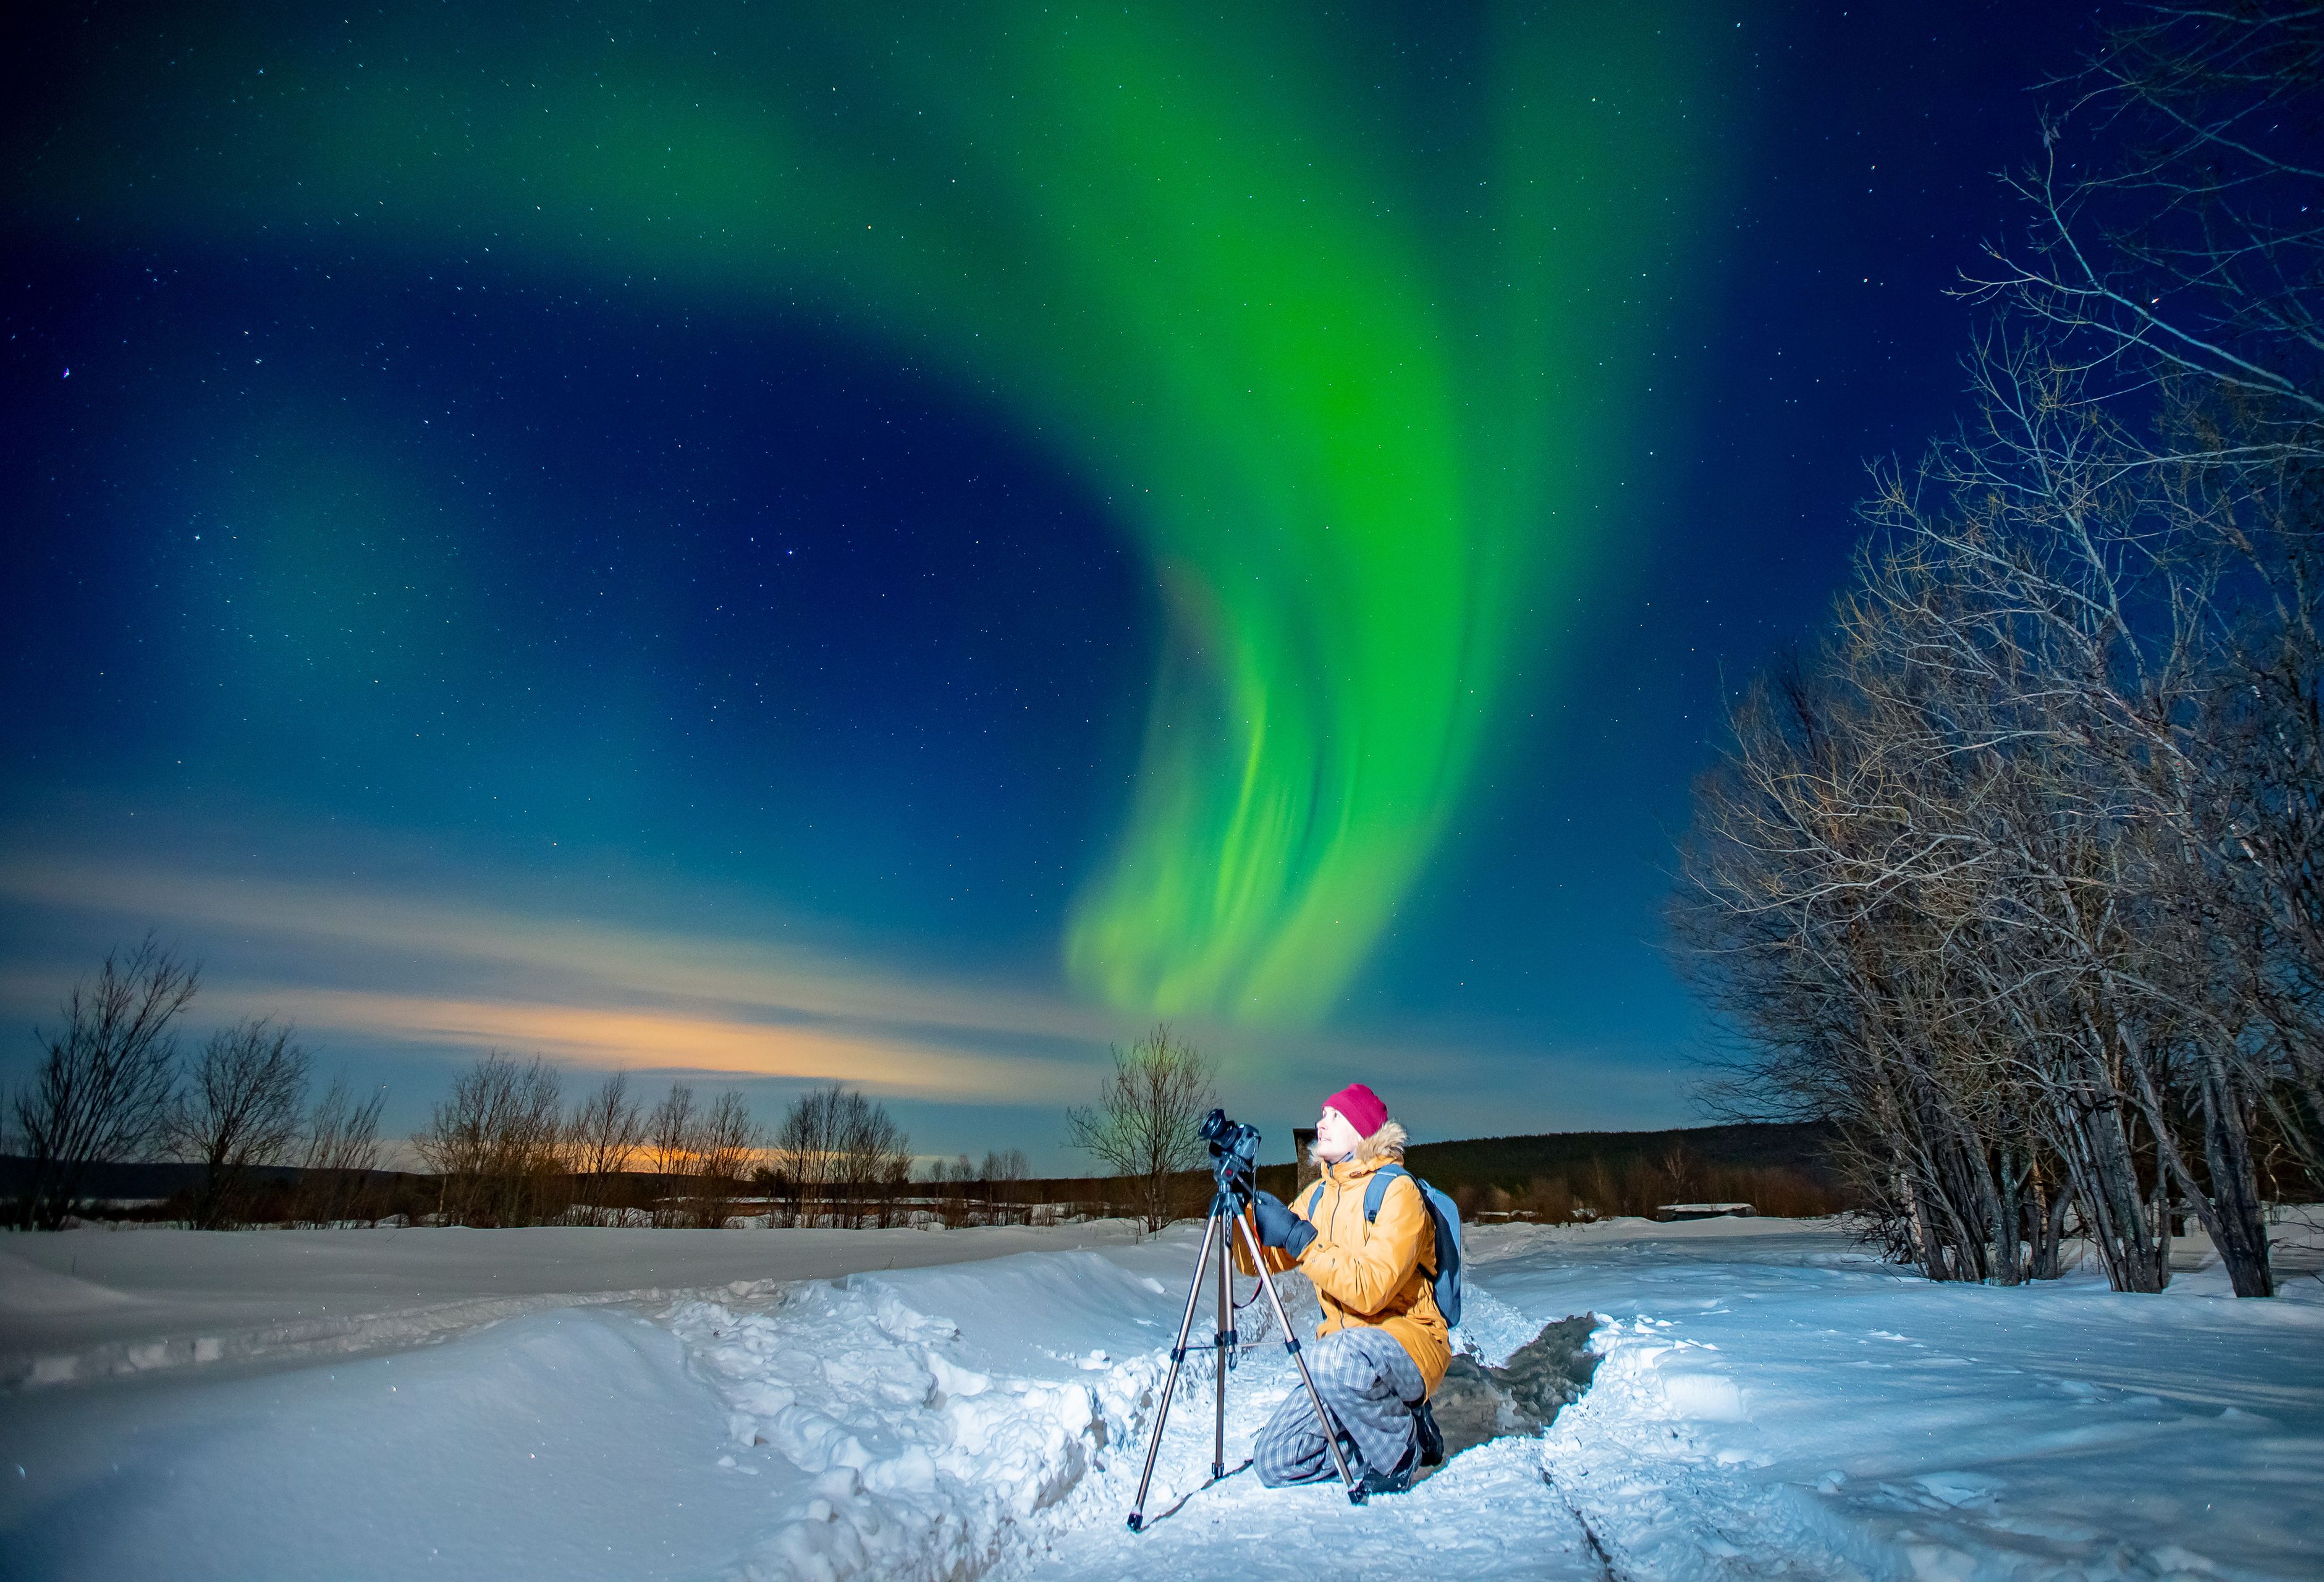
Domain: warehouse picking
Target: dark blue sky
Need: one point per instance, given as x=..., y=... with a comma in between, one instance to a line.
x=424, y=640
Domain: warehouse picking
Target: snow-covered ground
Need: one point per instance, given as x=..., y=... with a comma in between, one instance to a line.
x=129, y=1299
x=1770, y=1401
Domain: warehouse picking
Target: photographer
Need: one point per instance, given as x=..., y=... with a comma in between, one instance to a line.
x=1382, y=1346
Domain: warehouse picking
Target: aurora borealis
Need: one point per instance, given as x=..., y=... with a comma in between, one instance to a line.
x=1122, y=509
x=1339, y=394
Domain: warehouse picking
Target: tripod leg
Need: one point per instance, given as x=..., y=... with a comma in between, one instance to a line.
x=1169, y=1386
x=1225, y=1339
x=1291, y=1345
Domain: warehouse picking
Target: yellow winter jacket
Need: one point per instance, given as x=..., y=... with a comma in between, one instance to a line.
x=1380, y=1275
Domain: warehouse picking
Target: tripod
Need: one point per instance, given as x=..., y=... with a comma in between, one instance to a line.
x=1225, y=1221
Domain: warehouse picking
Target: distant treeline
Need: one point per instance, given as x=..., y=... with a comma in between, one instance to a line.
x=1558, y=1177
x=1553, y=1178
x=168, y=1191
x=1778, y=1169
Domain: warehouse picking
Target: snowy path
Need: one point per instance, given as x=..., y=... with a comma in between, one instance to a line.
x=1770, y=1402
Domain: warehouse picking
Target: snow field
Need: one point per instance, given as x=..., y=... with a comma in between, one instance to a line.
x=1770, y=1401
x=94, y=1303
x=564, y=1445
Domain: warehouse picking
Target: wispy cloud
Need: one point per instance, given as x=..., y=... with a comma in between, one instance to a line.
x=442, y=965
x=390, y=967
x=612, y=1037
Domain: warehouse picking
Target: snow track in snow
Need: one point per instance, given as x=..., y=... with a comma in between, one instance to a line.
x=882, y=1455
x=1001, y=1442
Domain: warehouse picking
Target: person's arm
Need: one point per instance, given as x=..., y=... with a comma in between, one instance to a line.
x=1269, y=1218
x=1365, y=1277
x=1278, y=1262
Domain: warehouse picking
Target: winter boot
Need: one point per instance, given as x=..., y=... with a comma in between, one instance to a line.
x=1431, y=1438
x=1376, y=1481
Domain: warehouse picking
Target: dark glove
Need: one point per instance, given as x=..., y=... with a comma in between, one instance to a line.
x=1278, y=1226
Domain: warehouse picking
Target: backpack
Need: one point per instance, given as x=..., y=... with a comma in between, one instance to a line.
x=1443, y=1217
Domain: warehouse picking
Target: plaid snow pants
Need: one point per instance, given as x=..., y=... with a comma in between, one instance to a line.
x=1370, y=1384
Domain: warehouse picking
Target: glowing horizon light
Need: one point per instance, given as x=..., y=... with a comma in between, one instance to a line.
x=1346, y=347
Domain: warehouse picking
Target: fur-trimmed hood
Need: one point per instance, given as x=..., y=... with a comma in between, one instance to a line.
x=1385, y=1143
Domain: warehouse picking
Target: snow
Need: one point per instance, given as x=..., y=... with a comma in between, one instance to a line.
x=1772, y=1398
x=88, y=1303
x=1770, y=1401
x=571, y=1444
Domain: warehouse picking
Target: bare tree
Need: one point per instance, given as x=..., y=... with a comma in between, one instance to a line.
x=2183, y=245
x=341, y=1153
x=726, y=1145
x=494, y=1142
x=1143, y=1125
x=240, y=1110
x=875, y=1155
x=674, y=1139
x=1892, y=888
x=1680, y=1172
x=951, y=1178
x=2017, y=877
x=102, y=1093
x=808, y=1143
x=602, y=1136
x=1004, y=1173
x=841, y=1152
x=2181, y=260
x=895, y=1184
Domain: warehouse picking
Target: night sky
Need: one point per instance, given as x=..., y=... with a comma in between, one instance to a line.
x=718, y=540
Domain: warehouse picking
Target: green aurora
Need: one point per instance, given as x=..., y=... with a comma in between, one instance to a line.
x=1346, y=331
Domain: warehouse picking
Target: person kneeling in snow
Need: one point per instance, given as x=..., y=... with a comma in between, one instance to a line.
x=1382, y=1346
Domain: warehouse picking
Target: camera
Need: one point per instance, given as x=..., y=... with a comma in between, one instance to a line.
x=1234, y=1152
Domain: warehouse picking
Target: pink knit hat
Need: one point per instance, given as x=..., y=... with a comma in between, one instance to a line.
x=1361, y=1107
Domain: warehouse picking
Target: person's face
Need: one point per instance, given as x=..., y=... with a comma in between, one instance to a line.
x=1335, y=1135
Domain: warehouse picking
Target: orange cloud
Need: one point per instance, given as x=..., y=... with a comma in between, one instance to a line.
x=581, y=991
x=618, y=1037
x=430, y=970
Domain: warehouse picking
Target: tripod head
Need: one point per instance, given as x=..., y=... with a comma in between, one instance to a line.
x=1234, y=1156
